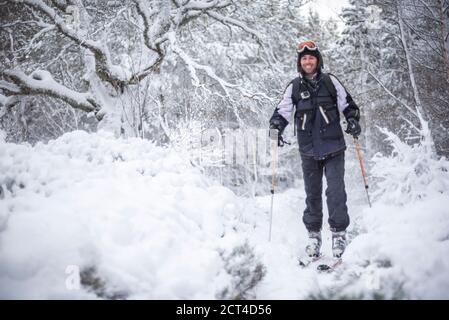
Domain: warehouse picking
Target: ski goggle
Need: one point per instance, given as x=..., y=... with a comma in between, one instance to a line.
x=309, y=45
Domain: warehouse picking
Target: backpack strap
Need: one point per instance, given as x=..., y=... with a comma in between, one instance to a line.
x=298, y=87
x=327, y=81
x=296, y=96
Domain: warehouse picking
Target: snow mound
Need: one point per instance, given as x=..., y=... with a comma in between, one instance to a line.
x=89, y=215
x=406, y=239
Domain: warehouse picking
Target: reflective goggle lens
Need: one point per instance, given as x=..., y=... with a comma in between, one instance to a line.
x=310, y=45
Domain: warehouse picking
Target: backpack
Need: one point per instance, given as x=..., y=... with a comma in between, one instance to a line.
x=299, y=86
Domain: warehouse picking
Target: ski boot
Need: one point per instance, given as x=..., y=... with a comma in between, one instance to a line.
x=314, y=245
x=338, y=243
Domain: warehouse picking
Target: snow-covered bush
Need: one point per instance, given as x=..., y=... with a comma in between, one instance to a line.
x=246, y=272
x=401, y=252
x=410, y=173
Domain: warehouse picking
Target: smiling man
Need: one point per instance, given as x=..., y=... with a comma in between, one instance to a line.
x=318, y=99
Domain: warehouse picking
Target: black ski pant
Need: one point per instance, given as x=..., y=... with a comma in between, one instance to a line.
x=334, y=170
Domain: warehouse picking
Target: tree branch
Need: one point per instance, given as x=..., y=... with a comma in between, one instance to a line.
x=391, y=94
x=227, y=20
x=40, y=82
x=151, y=44
x=192, y=66
x=206, y=5
x=429, y=9
x=104, y=67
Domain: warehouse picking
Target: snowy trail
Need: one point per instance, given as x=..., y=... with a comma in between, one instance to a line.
x=285, y=279
x=390, y=262
x=396, y=250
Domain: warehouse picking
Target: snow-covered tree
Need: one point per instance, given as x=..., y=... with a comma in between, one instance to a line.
x=122, y=54
x=401, y=68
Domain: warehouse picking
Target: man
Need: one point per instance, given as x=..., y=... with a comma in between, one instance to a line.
x=318, y=99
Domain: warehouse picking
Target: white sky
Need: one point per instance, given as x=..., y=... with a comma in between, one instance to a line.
x=327, y=8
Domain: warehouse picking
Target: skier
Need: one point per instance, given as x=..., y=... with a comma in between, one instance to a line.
x=319, y=98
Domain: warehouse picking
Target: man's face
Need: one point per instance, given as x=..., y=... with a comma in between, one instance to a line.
x=309, y=64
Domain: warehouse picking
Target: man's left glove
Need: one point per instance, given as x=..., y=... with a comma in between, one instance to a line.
x=353, y=127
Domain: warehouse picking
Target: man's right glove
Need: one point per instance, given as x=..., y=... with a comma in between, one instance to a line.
x=353, y=127
x=277, y=122
x=275, y=132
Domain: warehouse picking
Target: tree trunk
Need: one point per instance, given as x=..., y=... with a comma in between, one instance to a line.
x=422, y=115
x=444, y=34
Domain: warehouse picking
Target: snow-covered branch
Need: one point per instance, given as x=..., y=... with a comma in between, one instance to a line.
x=158, y=22
x=391, y=94
x=257, y=35
x=41, y=82
x=193, y=66
x=105, y=69
x=153, y=38
x=427, y=6
x=203, y=5
x=231, y=21
x=407, y=53
x=7, y=102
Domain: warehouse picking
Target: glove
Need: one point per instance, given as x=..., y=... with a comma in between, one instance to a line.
x=276, y=123
x=353, y=127
x=275, y=132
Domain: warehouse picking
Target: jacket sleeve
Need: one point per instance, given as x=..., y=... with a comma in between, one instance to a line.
x=344, y=101
x=283, y=110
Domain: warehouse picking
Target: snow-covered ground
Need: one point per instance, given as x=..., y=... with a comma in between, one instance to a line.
x=89, y=215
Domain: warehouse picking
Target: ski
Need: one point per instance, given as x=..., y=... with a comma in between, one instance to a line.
x=331, y=266
x=306, y=261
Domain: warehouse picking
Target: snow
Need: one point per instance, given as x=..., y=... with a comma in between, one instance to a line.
x=141, y=223
x=136, y=212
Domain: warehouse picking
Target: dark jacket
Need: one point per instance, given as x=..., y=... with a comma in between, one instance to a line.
x=317, y=114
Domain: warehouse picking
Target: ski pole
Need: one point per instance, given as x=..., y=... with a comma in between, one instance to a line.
x=274, y=145
x=357, y=149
